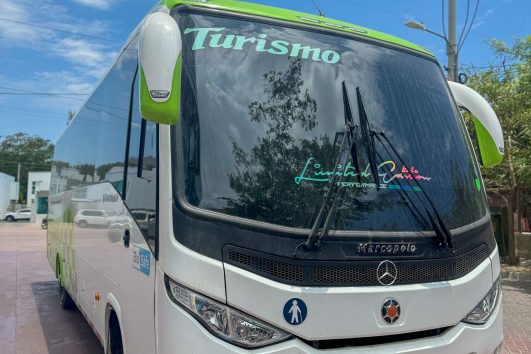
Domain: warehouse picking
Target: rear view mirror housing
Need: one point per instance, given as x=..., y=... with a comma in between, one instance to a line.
x=488, y=128
x=160, y=63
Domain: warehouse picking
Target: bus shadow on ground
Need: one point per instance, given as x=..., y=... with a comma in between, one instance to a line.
x=65, y=331
x=522, y=286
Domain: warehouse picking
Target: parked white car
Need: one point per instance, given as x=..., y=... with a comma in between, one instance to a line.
x=92, y=217
x=22, y=214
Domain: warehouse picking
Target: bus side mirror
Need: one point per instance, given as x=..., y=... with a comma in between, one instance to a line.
x=488, y=128
x=159, y=57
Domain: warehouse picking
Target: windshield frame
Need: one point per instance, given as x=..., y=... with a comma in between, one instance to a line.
x=176, y=142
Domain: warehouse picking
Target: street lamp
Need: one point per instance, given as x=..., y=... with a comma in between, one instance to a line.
x=452, y=53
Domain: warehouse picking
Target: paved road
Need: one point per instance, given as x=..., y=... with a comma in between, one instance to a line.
x=31, y=320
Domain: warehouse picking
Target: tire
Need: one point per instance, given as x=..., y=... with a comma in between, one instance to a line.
x=114, y=344
x=10, y=218
x=65, y=300
x=82, y=223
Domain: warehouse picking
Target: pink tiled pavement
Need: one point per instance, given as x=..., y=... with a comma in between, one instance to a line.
x=517, y=317
x=31, y=321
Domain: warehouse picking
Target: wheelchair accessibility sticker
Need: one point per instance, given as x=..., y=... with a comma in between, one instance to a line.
x=141, y=259
x=295, y=311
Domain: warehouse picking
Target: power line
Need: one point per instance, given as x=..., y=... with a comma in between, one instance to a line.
x=442, y=18
x=34, y=93
x=32, y=115
x=460, y=45
x=472, y=66
x=58, y=30
x=41, y=94
x=466, y=22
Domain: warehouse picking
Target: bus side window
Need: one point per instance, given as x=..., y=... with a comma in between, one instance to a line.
x=141, y=184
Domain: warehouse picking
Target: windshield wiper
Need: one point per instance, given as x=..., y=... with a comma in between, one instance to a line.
x=446, y=240
x=317, y=232
x=349, y=122
x=438, y=225
x=312, y=240
x=368, y=138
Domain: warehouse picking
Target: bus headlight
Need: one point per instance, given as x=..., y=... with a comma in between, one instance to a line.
x=223, y=321
x=481, y=313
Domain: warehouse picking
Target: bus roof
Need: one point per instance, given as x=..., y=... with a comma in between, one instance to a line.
x=297, y=17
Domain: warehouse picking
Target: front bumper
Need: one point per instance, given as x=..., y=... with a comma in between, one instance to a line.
x=178, y=332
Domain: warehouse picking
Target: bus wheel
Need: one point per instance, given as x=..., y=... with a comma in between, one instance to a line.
x=65, y=301
x=114, y=344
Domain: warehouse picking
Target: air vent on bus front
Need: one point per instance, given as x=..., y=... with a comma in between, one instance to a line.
x=351, y=273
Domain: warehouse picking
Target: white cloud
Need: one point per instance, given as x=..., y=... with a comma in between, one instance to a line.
x=63, y=81
x=482, y=19
x=98, y=4
x=10, y=30
x=83, y=53
x=50, y=31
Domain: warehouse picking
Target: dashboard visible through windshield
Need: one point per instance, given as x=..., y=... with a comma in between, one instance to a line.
x=263, y=118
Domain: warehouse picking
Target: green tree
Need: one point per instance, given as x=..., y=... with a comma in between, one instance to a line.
x=507, y=87
x=33, y=153
x=86, y=170
x=264, y=175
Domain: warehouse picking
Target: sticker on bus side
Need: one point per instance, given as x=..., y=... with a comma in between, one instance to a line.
x=141, y=259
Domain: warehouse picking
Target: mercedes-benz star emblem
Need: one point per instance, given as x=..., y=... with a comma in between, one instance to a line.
x=386, y=273
x=390, y=311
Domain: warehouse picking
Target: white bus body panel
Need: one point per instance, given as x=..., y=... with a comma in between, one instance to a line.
x=104, y=265
x=189, y=268
x=348, y=312
x=178, y=332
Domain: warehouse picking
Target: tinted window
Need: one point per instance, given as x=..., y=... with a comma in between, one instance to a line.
x=263, y=121
x=141, y=186
x=92, y=149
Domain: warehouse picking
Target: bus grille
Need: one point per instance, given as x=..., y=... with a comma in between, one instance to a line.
x=351, y=273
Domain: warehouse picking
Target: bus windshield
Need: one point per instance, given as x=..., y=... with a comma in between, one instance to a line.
x=263, y=119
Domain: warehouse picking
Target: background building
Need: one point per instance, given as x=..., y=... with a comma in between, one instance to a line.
x=8, y=192
x=37, y=198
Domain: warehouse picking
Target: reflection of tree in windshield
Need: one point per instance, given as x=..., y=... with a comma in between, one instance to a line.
x=265, y=176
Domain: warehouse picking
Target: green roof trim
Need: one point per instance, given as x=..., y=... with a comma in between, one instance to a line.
x=297, y=17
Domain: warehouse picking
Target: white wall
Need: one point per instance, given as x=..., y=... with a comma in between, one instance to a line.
x=42, y=180
x=7, y=183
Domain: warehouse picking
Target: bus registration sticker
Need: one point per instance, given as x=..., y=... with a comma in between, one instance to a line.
x=141, y=259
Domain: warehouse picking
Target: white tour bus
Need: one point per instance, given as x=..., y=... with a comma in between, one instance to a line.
x=251, y=179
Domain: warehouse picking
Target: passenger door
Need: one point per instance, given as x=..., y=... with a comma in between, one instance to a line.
x=138, y=252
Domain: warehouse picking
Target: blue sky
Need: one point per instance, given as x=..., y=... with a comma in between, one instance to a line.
x=65, y=46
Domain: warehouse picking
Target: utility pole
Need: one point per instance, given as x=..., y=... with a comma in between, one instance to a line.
x=451, y=47
x=18, y=183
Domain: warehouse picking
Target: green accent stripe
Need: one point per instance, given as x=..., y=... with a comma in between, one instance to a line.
x=490, y=155
x=162, y=112
x=295, y=16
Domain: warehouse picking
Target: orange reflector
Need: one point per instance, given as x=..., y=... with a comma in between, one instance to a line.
x=97, y=296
